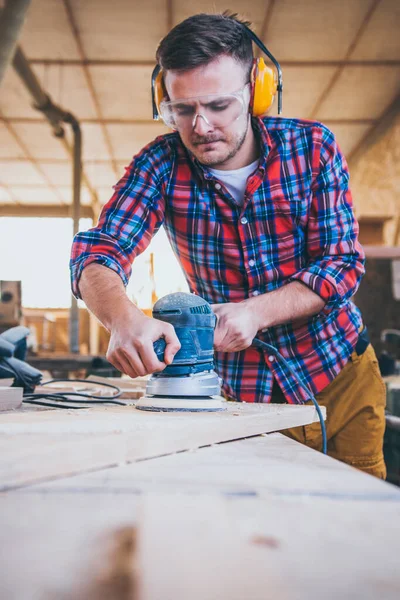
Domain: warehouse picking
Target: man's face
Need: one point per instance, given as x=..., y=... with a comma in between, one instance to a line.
x=210, y=145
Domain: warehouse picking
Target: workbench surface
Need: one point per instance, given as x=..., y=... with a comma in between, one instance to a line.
x=248, y=519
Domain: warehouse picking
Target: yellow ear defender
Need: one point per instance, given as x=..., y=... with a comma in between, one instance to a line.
x=263, y=88
x=265, y=83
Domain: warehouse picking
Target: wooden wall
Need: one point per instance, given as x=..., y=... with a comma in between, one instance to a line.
x=374, y=181
x=57, y=323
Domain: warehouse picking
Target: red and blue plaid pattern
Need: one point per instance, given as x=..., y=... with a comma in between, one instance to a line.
x=296, y=223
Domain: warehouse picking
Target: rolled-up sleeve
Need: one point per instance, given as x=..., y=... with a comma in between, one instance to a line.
x=128, y=221
x=335, y=257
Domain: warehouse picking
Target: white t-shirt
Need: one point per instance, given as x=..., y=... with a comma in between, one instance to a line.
x=235, y=181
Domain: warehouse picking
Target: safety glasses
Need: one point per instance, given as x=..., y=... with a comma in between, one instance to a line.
x=218, y=110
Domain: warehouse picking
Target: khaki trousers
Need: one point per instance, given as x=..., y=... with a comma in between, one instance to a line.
x=355, y=403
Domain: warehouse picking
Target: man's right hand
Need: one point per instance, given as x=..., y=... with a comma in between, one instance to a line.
x=131, y=345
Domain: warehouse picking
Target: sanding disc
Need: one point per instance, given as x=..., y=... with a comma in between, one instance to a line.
x=193, y=404
x=199, y=385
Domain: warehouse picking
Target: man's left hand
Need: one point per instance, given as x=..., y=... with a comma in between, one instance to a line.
x=237, y=326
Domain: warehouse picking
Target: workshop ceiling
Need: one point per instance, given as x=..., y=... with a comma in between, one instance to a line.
x=340, y=62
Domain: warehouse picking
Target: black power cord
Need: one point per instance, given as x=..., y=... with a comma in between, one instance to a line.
x=260, y=344
x=34, y=399
x=58, y=399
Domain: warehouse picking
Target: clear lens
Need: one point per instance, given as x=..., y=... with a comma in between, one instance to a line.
x=219, y=111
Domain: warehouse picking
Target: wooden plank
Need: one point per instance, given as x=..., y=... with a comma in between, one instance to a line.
x=37, y=210
x=10, y=398
x=238, y=418
x=67, y=547
x=51, y=444
x=266, y=549
x=258, y=466
x=257, y=519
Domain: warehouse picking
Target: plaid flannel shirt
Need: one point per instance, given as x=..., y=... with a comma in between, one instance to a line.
x=296, y=224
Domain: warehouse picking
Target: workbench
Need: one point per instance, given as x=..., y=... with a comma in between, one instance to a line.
x=112, y=503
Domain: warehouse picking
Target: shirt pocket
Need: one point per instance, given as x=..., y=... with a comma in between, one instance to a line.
x=283, y=235
x=290, y=208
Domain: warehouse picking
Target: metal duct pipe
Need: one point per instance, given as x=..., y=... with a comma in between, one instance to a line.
x=43, y=102
x=53, y=113
x=76, y=212
x=12, y=18
x=56, y=116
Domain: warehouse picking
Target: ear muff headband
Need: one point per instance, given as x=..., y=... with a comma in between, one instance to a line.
x=265, y=83
x=157, y=91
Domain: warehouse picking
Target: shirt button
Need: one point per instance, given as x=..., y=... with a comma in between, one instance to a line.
x=217, y=186
x=271, y=358
x=243, y=221
x=255, y=293
x=252, y=262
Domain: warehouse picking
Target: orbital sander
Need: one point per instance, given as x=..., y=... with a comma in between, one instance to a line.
x=189, y=383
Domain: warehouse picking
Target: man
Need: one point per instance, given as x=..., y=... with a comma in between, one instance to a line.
x=259, y=214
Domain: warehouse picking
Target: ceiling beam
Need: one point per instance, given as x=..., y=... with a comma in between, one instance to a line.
x=36, y=120
x=349, y=121
x=90, y=84
x=43, y=210
x=30, y=157
x=265, y=26
x=30, y=120
x=340, y=63
x=91, y=62
x=376, y=132
x=367, y=18
x=71, y=62
x=37, y=186
x=55, y=161
x=10, y=191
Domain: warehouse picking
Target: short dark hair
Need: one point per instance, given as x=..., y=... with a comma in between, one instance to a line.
x=201, y=38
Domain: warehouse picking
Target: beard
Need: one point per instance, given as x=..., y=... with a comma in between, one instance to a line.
x=214, y=157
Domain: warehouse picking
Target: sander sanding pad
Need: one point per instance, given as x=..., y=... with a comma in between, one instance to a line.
x=176, y=404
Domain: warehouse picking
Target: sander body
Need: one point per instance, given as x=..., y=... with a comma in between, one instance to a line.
x=190, y=382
